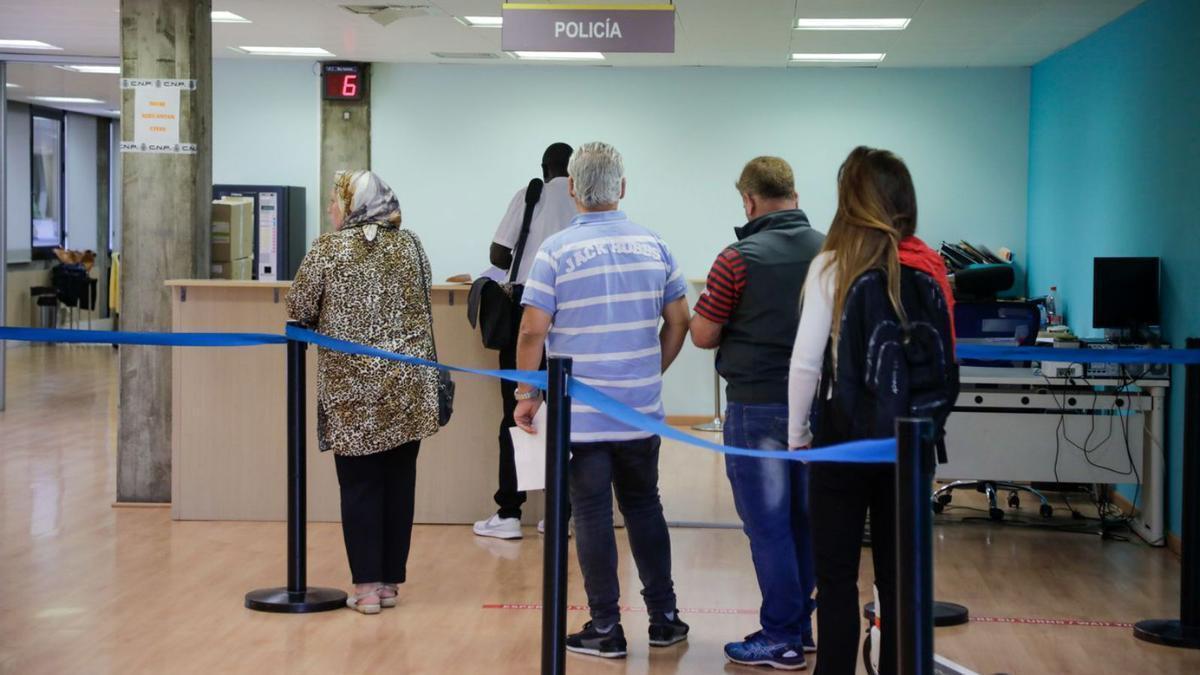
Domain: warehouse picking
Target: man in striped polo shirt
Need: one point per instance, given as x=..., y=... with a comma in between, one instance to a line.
x=596, y=293
x=750, y=310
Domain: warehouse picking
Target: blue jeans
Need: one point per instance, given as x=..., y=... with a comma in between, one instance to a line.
x=629, y=469
x=771, y=496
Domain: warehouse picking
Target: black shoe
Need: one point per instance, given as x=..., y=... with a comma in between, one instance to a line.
x=665, y=632
x=610, y=645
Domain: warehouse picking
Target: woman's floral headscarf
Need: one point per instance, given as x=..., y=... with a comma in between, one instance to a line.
x=366, y=202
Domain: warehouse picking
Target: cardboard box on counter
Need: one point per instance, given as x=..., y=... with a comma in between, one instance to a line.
x=239, y=270
x=232, y=229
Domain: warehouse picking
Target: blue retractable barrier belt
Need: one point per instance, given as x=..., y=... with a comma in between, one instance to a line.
x=112, y=337
x=866, y=451
x=1005, y=353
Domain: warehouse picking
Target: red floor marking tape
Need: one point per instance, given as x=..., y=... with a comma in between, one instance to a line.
x=1051, y=622
x=583, y=608
x=1082, y=623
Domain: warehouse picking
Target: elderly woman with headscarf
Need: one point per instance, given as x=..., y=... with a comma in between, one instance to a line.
x=368, y=282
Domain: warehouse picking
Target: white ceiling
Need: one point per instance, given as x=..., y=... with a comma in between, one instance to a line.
x=733, y=33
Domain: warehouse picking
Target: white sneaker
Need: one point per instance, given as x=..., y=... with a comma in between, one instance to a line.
x=500, y=528
x=570, y=527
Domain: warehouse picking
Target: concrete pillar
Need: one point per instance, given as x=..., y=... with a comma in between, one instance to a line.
x=345, y=142
x=165, y=220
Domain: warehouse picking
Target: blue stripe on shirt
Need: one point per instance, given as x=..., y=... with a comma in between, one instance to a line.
x=605, y=280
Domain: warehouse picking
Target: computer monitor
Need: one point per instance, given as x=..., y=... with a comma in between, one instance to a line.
x=1125, y=293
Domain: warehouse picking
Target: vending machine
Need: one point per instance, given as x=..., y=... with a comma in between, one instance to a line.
x=279, y=227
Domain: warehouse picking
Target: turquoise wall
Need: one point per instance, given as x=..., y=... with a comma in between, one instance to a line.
x=267, y=127
x=457, y=141
x=1114, y=170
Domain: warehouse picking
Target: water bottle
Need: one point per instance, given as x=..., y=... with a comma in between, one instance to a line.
x=1052, y=316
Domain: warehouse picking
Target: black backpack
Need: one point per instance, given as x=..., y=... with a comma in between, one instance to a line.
x=886, y=368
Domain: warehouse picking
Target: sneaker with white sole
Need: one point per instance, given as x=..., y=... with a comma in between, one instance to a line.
x=609, y=644
x=499, y=528
x=570, y=527
x=757, y=650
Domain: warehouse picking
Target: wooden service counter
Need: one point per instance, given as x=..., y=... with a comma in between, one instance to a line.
x=229, y=444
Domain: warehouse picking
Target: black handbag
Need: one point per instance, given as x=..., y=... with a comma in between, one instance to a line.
x=496, y=306
x=445, y=387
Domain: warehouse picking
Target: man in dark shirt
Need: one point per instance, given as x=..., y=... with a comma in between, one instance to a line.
x=749, y=311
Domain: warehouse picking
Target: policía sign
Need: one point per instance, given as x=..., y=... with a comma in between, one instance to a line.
x=588, y=28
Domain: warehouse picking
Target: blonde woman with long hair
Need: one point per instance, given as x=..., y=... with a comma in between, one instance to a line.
x=874, y=292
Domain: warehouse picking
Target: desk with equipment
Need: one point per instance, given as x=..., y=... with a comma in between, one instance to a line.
x=1061, y=422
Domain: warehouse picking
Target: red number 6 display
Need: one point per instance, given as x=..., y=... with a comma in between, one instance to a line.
x=343, y=81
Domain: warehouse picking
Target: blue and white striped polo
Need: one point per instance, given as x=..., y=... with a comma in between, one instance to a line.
x=605, y=280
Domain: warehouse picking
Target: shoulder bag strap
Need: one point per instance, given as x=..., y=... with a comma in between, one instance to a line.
x=533, y=193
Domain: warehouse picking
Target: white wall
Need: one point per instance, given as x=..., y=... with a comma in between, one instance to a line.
x=455, y=142
x=19, y=208
x=267, y=127
x=81, y=182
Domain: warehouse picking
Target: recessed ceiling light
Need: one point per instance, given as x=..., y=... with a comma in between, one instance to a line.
x=838, y=58
x=64, y=99
x=93, y=69
x=852, y=24
x=559, y=56
x=481, y=21
x=26, y=44
x=283, y=51
x=465, y=55
x=222, y=16
x=12, y=85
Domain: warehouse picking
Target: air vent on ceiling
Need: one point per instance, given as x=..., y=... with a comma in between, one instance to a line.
x=465, y=55
x=386, y=14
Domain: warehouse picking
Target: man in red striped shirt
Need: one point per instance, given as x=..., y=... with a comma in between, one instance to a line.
x=749, y=311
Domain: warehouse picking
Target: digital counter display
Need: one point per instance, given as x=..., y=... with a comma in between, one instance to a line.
x=343, y=81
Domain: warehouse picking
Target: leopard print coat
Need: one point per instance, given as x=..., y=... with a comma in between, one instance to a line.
x=370, y=292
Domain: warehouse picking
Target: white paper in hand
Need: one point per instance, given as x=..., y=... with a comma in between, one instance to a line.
x=529, y=451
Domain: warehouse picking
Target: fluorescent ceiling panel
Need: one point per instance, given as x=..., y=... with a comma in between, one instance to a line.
x=26, y=44
x=283, y=51
x=222, y=16
x=481, y=21
x=852, y=24
x=559, y=56
x=94, y=69
x=838, y=58
x=64, y=99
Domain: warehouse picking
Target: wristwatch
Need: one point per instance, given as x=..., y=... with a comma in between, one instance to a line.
x=527, y=395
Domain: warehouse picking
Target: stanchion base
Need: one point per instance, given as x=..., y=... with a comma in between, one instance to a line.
x=944, y=614
x=714, y=426
x=310, y=600
x=1169, y=632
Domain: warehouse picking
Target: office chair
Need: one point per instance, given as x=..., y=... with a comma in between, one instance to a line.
x=981, y=320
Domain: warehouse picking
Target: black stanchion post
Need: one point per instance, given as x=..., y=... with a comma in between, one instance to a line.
x=913, y=611
x=554, y=550
x=1185, y=631
x=296, y=597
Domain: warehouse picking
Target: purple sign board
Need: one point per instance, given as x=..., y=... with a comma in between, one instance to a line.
x=588, y=28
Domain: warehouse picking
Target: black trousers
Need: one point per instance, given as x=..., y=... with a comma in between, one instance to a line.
x=839, y=496
x=378, y=492
x=507, y=497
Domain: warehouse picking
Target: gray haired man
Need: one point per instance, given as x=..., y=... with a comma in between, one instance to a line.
x=598, y=290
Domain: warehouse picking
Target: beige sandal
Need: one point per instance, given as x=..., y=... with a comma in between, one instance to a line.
x=389, y=600
x=355, y=602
